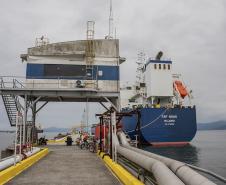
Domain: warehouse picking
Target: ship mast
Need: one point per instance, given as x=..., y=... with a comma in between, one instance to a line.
x=140, y=64
x=140, y=87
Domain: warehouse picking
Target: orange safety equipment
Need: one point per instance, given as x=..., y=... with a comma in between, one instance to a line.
x=180, y=88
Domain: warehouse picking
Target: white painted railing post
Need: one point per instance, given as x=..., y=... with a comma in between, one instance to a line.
x=24, y=119
x=15, y=146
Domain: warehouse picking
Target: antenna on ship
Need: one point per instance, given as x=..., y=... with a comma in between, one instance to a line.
x=140, y=64
x=110, y=31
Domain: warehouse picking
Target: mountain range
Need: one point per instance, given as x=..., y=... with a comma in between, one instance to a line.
x=56, y=129
x=217, y=125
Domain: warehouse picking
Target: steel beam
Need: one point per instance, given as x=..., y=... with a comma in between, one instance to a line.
x=34, y=102
x=104, y=106
x=24, y=118
x=60, y=98
x=43, y=105
x=112, y=104
x=113, y=130
x=33, y=123
x=67, y=95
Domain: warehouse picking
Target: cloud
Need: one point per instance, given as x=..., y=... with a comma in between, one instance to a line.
x=191, y=33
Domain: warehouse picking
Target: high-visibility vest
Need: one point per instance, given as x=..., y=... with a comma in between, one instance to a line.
x=157, y=106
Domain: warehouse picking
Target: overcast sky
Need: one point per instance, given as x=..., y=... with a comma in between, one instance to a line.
x=192, y=33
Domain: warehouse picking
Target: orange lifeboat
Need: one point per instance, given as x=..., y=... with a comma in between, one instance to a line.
x=178, y=85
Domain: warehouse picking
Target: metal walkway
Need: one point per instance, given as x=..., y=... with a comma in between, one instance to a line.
x=17, y=86
x=22, y=98
x=67, y=165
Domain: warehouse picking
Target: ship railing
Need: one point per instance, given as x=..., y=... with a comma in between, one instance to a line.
x=176, y=76
x=12, y=82
x=49, y=82
x=162, y=58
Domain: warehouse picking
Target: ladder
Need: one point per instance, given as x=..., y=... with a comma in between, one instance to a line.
x=90, y=54
x=89, y=59
x=12, y=105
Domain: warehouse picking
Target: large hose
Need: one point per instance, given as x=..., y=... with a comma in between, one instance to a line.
x=32, y=152
x=160, y=171
x=9, y=161
x=186, y=174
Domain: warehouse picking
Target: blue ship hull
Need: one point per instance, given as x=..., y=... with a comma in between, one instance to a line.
x=163, y=126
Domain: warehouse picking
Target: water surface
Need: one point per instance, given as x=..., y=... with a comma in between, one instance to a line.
x=207, y=150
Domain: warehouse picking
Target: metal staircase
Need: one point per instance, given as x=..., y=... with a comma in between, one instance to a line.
x=12, y=105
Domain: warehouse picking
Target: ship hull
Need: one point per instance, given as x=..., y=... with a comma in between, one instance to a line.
x=162, y=126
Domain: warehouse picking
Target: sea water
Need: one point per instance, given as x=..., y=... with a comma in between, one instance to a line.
x=207, y=150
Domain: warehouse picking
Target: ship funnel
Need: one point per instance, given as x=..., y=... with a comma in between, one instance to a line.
x=159, y=55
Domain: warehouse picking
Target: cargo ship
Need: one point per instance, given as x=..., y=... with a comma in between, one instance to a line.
x=167, y=115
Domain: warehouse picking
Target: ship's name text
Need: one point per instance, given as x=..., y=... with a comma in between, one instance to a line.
x=169, y=120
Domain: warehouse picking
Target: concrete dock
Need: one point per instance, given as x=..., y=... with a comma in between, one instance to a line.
x=67, y=165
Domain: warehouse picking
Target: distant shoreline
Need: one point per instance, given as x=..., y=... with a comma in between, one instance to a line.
x=209, y=129
x=7, y=131
x=219, y=125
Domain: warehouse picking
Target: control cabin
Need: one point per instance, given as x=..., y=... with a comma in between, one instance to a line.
x=87, y=64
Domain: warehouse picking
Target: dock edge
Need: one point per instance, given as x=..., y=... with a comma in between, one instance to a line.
x=9, y=173
x=124, y=176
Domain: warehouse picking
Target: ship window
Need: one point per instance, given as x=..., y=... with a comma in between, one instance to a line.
x=168, y=66
x=58, y=70
x=164, y=66
x=142, y=84
x=129, y=88
x=155, y=66
x=160, y=66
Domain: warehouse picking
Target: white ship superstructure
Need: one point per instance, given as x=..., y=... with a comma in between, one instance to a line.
x=155, y=84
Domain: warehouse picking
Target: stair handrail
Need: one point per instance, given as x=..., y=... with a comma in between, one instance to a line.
x=15, y=82
x=18, y=105
x=8, y=109
x=2, y=82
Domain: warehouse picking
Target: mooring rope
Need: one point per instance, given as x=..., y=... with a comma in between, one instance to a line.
x=153, y=121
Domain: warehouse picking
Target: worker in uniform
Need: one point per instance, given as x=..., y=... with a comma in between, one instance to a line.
x=158, y=103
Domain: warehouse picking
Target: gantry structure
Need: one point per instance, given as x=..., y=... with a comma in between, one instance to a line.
x=74, y=71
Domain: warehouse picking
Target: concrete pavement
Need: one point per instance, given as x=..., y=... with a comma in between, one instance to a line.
x=67, y=165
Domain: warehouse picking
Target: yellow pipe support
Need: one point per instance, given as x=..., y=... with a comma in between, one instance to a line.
x=124, y=176
x=9, y=173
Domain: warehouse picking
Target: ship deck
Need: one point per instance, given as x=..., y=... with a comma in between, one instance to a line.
x=67, y=165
